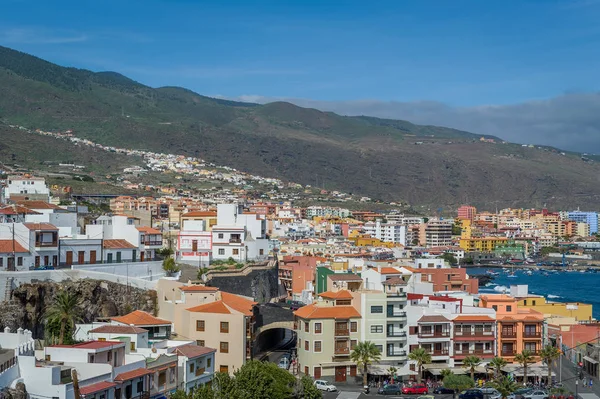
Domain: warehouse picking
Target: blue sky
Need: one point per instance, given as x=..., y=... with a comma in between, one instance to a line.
x=458, y=52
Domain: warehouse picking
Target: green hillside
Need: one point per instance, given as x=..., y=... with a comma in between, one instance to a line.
x=380, y=158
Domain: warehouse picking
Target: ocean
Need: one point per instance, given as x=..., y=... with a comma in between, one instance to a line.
x=560, y=286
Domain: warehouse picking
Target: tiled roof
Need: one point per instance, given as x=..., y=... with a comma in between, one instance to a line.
x=97, y=387
x=212, y=307
x=40, y=226
x=32, y=204
x=200, y=214
x=433, y=319
x=327, y=312
x=17, y=210
x=394, y=281
x=342, y=294
x=390, y=270
x=473, y=318
x=114, y=243
x=198, y=288
x=6, y=247
x=239, y=303
x=91, y=345
x=141, y=318
x=192, y=351
x=147, y=230
x=344, y=277
x=129, y=375
x=116, y=329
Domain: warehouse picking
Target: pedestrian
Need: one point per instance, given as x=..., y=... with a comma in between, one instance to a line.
x=591, y=382
x=584, y=382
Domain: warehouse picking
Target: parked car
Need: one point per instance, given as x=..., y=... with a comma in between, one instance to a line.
x=537, y=394
x=522, y=391
x=443, y=391
x=426, y=397
x=391, y=389
x=416, y=390
x=471, y=394
x=284, y=363
x=295, y=305
x=325, y=386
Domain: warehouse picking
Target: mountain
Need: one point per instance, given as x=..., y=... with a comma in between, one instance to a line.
x=385, y=159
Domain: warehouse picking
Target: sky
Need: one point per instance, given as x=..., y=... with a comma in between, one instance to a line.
x=525, y=70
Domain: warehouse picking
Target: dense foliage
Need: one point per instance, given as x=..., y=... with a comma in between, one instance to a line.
x=364, y=354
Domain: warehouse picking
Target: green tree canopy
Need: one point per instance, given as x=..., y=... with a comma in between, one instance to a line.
x=364, y=354
x=458, y=382
x=64, y=311
x=549, y=354
x=505, y=385
x=497, y=364
x=470, y=362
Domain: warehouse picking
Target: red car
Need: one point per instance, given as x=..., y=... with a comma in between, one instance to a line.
x=415, y=390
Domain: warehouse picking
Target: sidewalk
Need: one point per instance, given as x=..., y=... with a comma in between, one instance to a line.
x=569, y=377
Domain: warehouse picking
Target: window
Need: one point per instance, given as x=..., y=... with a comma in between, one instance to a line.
x=224, y=369
x=487, y=327
x=132, y=346
x=110, y=356
x=101, y=339
x=225, y=327
x=458, y=328
x=377, y=329
x=140, y=386
x=306, y=345
x=209, y=362
x=221, y=251
x=376, y=309
x=220, y=235
x=533, y=303
x=488, y=346
x=380, y=347
x=495, y=307
x=353, y=343
x=261, y=251
x=525, y=302
x=317, y=328
x=192, y=366
x=200, y=325
x=235, y=251
x=200, y=342
x=353, y=326
x=317, y=346
x=20, y=261
x=508, y=308
x=224, y=347
x=343, y=302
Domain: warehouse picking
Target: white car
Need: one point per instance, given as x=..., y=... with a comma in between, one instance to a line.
x=498, y=395
x=325, y=386
x=536, y=395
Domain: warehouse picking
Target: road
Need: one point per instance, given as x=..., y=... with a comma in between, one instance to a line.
x=355, y=392
x=569, y=377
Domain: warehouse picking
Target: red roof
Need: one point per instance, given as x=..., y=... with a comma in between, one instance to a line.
x=342, y=294
x=198, y=288
x=193, y=351
x=141, y=318
x=148, y=230
x=130, y=375
x=40, y=226
x=239, y=303
x=116, y=329
x=6, y=247
x=97, y=387
x=467, y=317
x=17, y=210
x=114, y=243
x=433, y=319
x=212, y=307
x=200, y=214
x=32, y=204
x=326, y=312
x=390, y=270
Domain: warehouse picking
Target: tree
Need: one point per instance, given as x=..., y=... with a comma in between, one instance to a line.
x=392, y=371
x=445, y=373
x=549, y=354
x=64, y=310
x=421, y=357
x=505, y=385
x=450, y=258
x=169, y=266
x=497, y=364
x=364, y=354
x=306, y=389
x=524, y=358
x=470, y=362
x=458, y=382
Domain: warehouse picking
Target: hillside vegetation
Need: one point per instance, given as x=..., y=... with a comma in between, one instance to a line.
x=375, y=157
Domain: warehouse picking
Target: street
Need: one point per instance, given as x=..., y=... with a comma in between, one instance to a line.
x=569, y=377
x=356, y=392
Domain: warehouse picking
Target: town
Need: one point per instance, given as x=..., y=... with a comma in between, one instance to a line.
x=339, y=300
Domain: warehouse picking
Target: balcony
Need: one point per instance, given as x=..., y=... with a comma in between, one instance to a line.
x=508, y=352
x=341, y=332
x=435, y=334
x=508, y=334
x=474, y=334
x=396, y=333
x=532, y=334
x=200, y=371
x=235, y=240
x=475, y=352
x=342, y=351
x=437, y=352
x=396, y=295
x=396, y=314
x=40, y=244
x=153, y=242
x=396, y=353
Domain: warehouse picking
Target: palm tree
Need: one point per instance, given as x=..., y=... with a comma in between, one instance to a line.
x=421, y=356
x=505, y=385
x=392, y=371
x=524, y=358
x=470, y=362
x=446, y=372
x=64, y=310
x=364, y=354
x=497, y=364
x=549, y=354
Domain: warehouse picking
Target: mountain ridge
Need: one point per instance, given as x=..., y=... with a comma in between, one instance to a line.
x=388, y=159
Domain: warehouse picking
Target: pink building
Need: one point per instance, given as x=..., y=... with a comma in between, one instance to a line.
x=467, y=212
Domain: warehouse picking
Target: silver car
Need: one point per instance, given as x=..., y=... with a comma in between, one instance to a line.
x=537, y=394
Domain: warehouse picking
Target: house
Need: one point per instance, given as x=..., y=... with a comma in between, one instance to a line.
x=158, y=329
x=136, y=337
x=74, y=251
x=107, y=352
x=196, y=366
x=118, y=250
x=26, y=187
x=163, y=380
x=13, y=256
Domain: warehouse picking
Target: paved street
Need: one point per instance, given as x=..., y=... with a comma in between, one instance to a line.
x=355, y=392
x=569, y=377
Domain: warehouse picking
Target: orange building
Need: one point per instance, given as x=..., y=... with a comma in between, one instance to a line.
x=295, y=272
x=518, y=328
x=449, y=279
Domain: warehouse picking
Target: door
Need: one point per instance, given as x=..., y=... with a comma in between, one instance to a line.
x=317, y=373
x=11, y=265
x=340, y=374
x=352, y=371
x=46, y=260
x=81, y=257
x=142, y=256
x=55, y=260
x=37, y=261
x=119, y=256
x=109, y=258
x=69, y=258
x=194, y=245
x=92, y=257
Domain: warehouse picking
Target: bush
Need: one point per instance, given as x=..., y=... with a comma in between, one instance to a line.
x=239, y=265
x=170, y=266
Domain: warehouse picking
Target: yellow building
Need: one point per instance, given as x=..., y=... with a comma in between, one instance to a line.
x=580, y=311
x=371, y=242
x=481, y=244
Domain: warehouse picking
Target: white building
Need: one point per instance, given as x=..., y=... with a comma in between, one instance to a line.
x=196, y=366
x=26, y=186
x=386, y=232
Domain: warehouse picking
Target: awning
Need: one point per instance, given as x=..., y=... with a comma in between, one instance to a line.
x=590, y=360
x=376, y=369
x=436, y=369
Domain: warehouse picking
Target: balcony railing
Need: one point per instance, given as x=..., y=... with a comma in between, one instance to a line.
x=40, y=244
x=200, y=371
x=477, y=352
x=478, y=333
x=508, y=334
x=395, y=314
x=342, y=351
x=341, y=332
x=153, y=242
x=396, y=353
x=400, y=295
x=438, y=352
x=508, y=353
x=396, y=333
x=532, y=334
x=434, y=334
x=235, y=240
